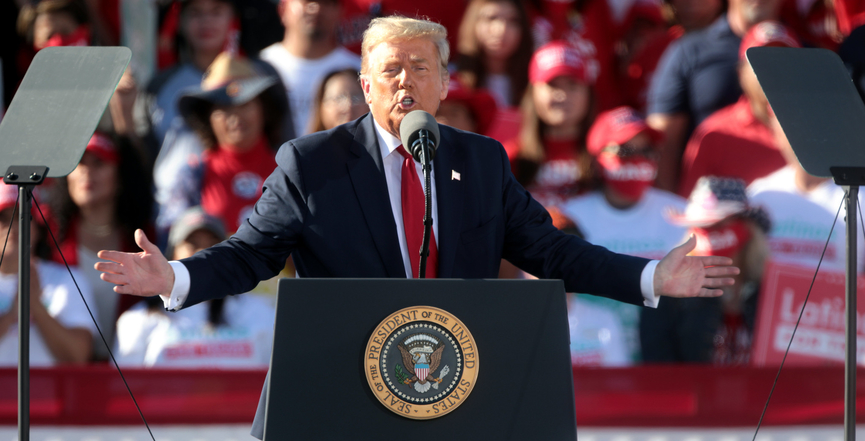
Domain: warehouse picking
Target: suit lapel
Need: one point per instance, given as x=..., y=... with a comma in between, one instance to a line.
x=367, y=176
x=448, y=163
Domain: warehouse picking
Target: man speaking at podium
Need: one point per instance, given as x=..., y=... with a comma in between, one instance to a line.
x=335, y=201
x=348, y=203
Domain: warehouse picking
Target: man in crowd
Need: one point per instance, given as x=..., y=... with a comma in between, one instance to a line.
x=802, y=208
x=347, y=203
x=697, y=76
x=737, y=141
x=308, y=53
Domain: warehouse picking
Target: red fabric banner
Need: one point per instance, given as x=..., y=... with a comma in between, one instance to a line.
x=647, y=396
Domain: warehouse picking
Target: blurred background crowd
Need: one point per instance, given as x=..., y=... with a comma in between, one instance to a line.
x=635, y=122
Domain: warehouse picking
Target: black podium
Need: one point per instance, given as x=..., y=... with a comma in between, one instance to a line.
x=333, y=335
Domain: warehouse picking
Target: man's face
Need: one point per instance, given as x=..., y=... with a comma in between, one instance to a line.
x=401, y=77
x=315, y=20
x=694, y=14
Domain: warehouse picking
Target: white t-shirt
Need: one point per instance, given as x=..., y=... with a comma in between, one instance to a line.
x=185, y=339
x=302, y=76
x=801, y=221
x=603, y=329
x=60, y=297
x=596, y=335
x=641, y=230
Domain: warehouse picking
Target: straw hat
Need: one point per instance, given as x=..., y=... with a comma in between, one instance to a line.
x=715, y=199
x=230, y=81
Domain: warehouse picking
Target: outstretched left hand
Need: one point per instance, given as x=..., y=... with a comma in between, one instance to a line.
x=681, y=275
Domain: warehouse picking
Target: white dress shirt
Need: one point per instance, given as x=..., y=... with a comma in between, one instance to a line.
x=392, y=162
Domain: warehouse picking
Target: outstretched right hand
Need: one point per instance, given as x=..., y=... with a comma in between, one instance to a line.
x=145, y=274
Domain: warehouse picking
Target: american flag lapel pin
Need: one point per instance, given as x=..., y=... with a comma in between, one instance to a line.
x=455, y=175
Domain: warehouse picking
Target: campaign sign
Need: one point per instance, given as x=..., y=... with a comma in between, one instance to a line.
x=820, y=338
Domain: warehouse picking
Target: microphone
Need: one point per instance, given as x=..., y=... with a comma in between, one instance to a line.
x=419, y=133
x=419, y=128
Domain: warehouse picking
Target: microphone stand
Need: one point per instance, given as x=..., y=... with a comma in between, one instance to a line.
x=425, y=141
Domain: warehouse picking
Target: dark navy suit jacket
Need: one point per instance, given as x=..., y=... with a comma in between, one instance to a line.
x=327, y=205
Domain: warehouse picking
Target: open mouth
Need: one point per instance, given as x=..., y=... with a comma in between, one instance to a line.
x=407, y=103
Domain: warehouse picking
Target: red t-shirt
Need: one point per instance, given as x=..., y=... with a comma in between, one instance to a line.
x=558, y=177
x=505, y=129
x=232, y=181
x=731, y=142
x=637, y=75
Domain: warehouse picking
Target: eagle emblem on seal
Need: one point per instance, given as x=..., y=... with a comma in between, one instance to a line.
x=421, y=357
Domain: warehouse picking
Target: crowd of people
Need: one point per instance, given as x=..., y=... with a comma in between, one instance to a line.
x=634, y=122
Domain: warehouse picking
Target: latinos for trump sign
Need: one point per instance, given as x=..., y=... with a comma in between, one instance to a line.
x=820, y=337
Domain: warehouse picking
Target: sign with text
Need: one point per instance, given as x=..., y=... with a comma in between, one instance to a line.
x=820, y=336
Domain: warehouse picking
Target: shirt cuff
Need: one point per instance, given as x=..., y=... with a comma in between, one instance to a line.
x=647, y=285
x=174, y=301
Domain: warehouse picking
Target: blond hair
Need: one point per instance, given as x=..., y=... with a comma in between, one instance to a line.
x=398, y=28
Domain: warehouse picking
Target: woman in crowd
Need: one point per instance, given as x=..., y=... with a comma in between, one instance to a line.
x=234, y=332
x=205, y=28
x=714, y=329
x=98, y=206
x=595, y=28
x=494, y=48
x=339, y=100
x=60, y=327
x=54, y=23
x=550, y=157
x=237, y=115
x=626, y=215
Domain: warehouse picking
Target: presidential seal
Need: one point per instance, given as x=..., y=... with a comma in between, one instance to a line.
x=421, y=362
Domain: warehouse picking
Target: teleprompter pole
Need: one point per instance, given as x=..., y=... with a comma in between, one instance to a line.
x=850, y=356
x=24, y=312
x=851, y=178
x=26, y=178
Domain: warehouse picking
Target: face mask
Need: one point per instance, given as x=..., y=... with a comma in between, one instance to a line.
x=723, y=241
x=628, y=177
x=80, y=37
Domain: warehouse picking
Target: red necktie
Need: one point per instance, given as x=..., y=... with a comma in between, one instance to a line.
x=412, y=218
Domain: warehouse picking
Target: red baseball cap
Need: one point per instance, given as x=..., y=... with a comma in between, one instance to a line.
x=103, y=147
x=618, y=126
x=768, y=33
x=559, y=58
